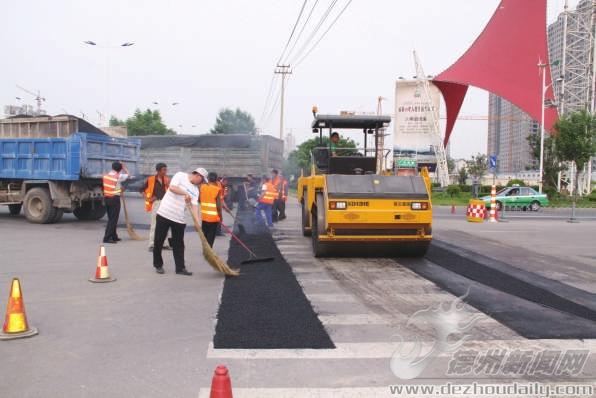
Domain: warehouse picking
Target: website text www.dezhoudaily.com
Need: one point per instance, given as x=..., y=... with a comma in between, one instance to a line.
x=494, y=390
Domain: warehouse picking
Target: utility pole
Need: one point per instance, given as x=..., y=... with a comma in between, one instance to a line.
x=282, y=70
x=380, y=144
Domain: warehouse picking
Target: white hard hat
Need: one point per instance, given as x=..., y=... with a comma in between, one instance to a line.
x=202, y=172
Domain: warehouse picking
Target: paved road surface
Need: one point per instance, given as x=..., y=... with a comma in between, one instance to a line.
x=148, y=335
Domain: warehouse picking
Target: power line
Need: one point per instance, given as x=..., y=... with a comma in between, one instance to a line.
x=267, y=101
x=323, y=35
x=315, y=30
x=312, y=9
x=293, y=30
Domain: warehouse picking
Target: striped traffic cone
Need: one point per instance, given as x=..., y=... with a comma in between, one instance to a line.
x=102, y=274
x=15, y=323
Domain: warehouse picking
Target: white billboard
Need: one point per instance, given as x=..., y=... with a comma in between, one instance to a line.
x=412, y=129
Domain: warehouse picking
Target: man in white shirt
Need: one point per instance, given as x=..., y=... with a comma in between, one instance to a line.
x=183, y=189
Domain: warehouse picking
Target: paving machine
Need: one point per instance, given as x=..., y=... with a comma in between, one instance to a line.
x=350, y=206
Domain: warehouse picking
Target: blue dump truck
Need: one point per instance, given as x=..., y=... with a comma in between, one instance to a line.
x=47, y=177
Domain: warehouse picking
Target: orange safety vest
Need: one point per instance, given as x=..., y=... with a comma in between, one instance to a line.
x=284, y=190
x=208, y=197
x=110, y=181
x=149, y=191
x=270, y=194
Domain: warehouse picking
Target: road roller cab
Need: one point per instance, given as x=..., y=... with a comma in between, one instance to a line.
x=349, y=198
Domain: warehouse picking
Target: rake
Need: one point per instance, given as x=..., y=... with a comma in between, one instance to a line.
x=131, y=232
x=212, y=258
x=253, y=257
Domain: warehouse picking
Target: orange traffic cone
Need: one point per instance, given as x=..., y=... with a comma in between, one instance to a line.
x=453, y=208
x=221, y=385
x=102, y=274
x=15, y=323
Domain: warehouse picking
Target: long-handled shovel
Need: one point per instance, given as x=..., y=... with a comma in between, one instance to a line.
x=131, y=232
x=212, y=258
x=253, y=257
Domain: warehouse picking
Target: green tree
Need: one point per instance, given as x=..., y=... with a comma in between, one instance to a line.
x=450, y=165
x=575, y=139
x=551, y=165
x=229, y=121
x=477, y=166
x=115, y=122
x=462, y=175
x=300, y=157
x=148, y=122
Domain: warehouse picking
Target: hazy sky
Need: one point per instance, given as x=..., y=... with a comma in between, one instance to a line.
x=212, y=54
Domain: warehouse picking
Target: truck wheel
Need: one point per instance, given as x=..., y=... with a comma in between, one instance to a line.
x=38, y=206
x=15, y=209
x=305, y=217
x=98, y=211
x=58, y=213
x=320, y=249
x=90, y=211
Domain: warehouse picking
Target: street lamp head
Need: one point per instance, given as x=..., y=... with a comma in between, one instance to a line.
x=127, y=44
x=91, y=43
x=175, y=103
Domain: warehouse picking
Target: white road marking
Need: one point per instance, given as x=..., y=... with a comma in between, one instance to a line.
x=331, y=298
x=386, y=349
x=363, y=392
x=354, y=319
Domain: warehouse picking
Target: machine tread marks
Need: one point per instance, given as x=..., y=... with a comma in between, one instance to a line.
x=38, y=206
x=305, y=216
x=320, y=249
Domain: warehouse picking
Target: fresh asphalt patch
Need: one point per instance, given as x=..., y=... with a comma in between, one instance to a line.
x=265, y=306
x=533, y=306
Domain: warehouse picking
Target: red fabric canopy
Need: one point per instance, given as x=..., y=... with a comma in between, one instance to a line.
x=504, y=60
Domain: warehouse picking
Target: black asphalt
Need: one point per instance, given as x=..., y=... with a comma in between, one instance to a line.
x=533, y=306
x=265, y=306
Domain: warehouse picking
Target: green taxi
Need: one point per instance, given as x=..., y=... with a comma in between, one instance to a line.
x=518, y=198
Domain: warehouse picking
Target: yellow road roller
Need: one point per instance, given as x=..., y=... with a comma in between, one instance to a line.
x=350, y=206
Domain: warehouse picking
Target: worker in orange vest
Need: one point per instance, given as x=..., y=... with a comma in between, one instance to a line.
x=265, y=201
x=211, y=205
x=112, y=189
x=279, y=205
x=153, y=191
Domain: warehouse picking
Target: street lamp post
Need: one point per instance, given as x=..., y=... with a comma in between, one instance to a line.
x=107, y=48
x=545, y=87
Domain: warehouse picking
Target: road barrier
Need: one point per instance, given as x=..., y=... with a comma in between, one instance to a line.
x=476, y=210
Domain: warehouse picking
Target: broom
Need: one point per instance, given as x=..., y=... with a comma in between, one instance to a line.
x=131, y=232
x=217, y=263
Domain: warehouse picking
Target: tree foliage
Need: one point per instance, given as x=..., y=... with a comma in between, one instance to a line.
x=575, y=139
x=462, y=175
x=300, y=158
x=551, y=166
x=237, y=121
x=477, y=166
x=148, y=122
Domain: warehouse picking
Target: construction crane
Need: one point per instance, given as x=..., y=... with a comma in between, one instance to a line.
x=37, y=96
x=442, y=171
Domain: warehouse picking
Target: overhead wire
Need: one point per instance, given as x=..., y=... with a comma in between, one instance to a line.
x=271, y=84
x=323, y=35
x=268, y=99
x=293, y=30
x=314, y=31
x=312, y=9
